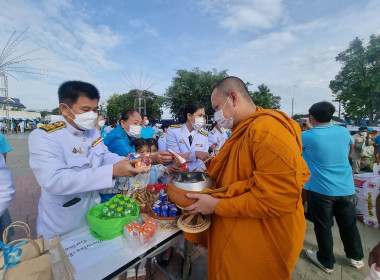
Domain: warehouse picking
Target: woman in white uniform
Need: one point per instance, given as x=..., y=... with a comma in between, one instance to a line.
x=188, y=137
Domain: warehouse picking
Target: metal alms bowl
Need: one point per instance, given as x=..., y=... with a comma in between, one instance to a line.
x=188, y=182
x=192, y=181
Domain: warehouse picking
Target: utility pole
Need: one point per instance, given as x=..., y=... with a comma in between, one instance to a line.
x=294, y=92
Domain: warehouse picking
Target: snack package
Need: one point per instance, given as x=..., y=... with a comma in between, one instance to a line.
x=141, y=232
x=145, y=162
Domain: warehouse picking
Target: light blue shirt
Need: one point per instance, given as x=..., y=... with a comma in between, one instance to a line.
x=68, y=164
x=177, y=139
x=118, y=142
x=147, y=132
x=4, y=146
x=325, y=150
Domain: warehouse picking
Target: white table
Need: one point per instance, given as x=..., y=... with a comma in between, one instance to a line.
x=105, y=260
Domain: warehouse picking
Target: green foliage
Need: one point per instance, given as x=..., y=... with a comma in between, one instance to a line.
x=189, y=86
x=357, y=85
x=264, y=98
x=15, y=109
x=56, y=111
x=117, y=103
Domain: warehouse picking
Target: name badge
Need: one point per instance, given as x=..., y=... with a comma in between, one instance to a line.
x=198, y=145
x=181, y=141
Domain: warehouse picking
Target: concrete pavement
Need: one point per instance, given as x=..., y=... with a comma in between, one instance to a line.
x=24, y=207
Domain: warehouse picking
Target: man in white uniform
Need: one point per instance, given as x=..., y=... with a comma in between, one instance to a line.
x=216, y=138
x=7, y=190
x=71, y=162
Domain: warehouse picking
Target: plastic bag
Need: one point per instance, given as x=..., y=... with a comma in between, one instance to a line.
x=373, y=275
x=110, y=228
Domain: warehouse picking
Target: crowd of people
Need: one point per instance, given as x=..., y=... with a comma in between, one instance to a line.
x=258, y=225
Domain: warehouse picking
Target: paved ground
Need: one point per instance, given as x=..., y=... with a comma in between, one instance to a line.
x=24, y=207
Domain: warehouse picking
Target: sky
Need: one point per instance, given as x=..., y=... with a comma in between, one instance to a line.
x=118, y=44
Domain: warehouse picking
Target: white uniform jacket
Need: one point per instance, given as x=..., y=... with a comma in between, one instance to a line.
x=177, y=139
x=7, y=187
x=215, y=136
x=68, y=164
x=162, y=143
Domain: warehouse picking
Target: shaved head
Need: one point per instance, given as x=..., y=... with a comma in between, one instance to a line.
x=228, y=84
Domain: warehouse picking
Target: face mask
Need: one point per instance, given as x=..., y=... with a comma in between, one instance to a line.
x=101, y=123
x=134, y=131
x=198, y=123
x=85, y=121
x=219, y=118
x=363, y=133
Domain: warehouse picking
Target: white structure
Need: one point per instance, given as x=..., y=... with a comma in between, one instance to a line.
x=19, y=114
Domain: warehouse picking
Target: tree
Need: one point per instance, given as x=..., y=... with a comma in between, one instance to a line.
x=190, y=86
x=264, y=98
x=117, y=103
x=357, y=85
x=56, y=111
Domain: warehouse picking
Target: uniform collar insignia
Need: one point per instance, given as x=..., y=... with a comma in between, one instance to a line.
x=75, y=151
x=198, y=145
x=204, y=133
x=53, y=126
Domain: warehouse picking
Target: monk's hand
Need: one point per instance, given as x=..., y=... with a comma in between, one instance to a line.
x=162, y=157
x=206, y=204
x=203, y=156
x=374, y=257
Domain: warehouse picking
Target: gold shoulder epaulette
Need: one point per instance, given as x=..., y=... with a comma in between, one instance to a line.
x=176, y=126
x=53, y=126
x=213, y=131
x=203, y=132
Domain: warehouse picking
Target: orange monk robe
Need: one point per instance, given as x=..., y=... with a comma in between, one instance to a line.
x=258, y=228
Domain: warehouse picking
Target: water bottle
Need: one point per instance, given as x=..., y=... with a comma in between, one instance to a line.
x=104, y=213
x=115, y=200
x=119, y=196
x=119, y=212
x=111, y=211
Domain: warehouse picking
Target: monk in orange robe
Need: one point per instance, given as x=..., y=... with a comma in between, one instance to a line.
x=258, y=225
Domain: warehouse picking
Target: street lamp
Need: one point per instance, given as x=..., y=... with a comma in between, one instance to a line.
x=294, y=91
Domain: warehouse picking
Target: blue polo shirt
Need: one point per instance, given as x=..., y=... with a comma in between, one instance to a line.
x=325, y=150
x=147, y=132
x=118, y=142
x=376, y=140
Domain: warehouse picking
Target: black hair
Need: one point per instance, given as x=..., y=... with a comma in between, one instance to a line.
x=139, y=143
x=363, y=128
x=231, y=83
x=191, y=108
x=213, y=125
x=127, y=113
x=152, y=142
x=166, y=124
x=106, y=123
x=322, y=111
x=70, y=91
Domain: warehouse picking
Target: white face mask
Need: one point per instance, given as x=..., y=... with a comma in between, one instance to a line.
x=219, y=117
x=101, y=123
x=134, y=131
x=198, y=123
x=85, y=121
x=363, y=133
x=146, y=122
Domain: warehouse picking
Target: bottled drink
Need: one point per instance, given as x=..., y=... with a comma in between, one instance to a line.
x=107, y=204
x=112, y=210
x=118, y=196
x=104, y=212
x=122, y=203
x=115, y=200
x=119, y=212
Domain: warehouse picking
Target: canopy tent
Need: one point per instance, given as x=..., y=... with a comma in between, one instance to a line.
x=4, y=118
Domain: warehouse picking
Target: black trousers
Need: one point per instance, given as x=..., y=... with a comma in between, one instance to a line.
x=322, y=209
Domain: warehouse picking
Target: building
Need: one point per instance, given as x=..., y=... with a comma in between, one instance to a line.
x=16, y=110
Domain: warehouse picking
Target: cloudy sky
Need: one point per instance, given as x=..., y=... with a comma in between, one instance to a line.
x=119, y=44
